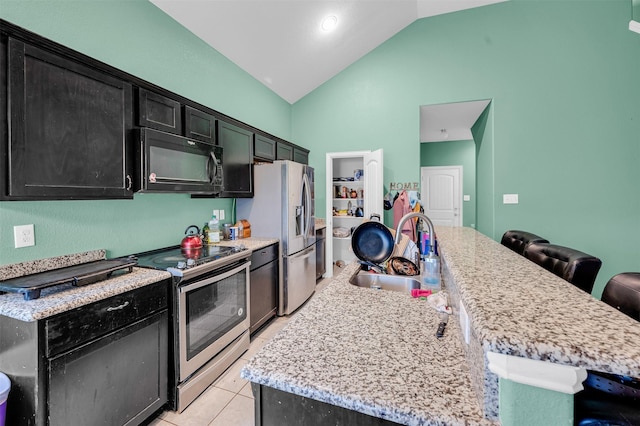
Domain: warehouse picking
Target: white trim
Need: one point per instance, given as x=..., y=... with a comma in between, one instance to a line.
x=541, y=374
x=634, y=26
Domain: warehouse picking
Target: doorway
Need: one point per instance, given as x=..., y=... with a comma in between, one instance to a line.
x=441, y=192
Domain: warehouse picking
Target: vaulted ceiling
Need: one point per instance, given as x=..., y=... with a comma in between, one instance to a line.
x=281, y=42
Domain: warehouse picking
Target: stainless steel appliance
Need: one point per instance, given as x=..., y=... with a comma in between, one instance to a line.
x=283, y=207
x=171, y=163
x=210, y=311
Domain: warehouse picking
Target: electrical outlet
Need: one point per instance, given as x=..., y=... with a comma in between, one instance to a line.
x=24, y=236
x=216, y=213
x=464, y=323
x=221, y=215
x=509, y=198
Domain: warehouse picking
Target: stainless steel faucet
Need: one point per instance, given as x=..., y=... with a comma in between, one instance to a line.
x=432, y=232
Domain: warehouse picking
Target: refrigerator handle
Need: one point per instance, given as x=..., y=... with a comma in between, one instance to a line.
x=306, y=202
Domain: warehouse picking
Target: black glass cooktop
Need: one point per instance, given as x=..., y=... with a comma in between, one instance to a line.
x=179, y=258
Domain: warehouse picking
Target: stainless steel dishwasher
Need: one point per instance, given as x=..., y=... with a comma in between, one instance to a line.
x=321, y=241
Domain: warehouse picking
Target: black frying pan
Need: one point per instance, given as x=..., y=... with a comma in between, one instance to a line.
x=372, y=242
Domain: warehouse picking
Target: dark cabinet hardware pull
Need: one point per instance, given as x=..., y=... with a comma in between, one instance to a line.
x=129, y=183
x=117, y=308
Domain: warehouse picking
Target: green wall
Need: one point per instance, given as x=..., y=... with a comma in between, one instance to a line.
x=563, y=129
x=455, y=153
x=136, y=37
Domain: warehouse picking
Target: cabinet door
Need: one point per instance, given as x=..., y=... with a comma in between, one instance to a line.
x=264, y=148
x=284, y=151
x=199, y=125
x=69, y=129
x=159, y=112
x=116, y=380
x=300, y=156
x=237, y=159
x=263, y=294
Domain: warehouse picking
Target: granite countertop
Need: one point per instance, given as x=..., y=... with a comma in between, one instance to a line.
x=62, y=298
x=65, y=297
x=252, y=243
x=518, y=308
x=374, y=352
x=539, y=315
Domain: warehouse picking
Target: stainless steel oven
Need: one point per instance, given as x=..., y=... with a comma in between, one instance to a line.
x=210, y=314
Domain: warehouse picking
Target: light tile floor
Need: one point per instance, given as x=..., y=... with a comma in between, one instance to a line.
x=229, y=400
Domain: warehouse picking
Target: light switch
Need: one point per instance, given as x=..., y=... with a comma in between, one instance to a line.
x=509, y=198
x=24, y=236
x=466, y=197
x=221, y=215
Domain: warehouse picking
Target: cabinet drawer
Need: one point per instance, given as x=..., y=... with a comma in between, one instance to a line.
x=80, y=325
x=159, y=112
x=263, y=256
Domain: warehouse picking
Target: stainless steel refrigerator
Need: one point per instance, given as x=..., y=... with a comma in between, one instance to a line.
x=283, y=207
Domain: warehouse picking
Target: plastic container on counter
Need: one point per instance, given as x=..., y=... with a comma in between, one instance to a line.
x=5, y=387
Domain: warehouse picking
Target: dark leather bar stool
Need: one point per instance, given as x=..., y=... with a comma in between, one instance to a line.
x=623, y=293
x=519, y=240
x=610, y=399
x=576, y=267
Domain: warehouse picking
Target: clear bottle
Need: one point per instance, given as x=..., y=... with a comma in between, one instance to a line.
x=214, y=231
x=430, y=273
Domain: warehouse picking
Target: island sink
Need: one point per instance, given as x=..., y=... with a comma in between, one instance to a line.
x=385, y=282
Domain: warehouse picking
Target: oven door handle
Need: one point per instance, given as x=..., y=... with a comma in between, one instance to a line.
x=219, y=277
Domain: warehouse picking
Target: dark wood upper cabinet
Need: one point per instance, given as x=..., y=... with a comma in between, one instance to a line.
x=199, y=125
x=67, y=125
x=159, y=112
x=284, y=151
x=264, y=148
x=68, y=131
x=237, y=159
x=300, y=156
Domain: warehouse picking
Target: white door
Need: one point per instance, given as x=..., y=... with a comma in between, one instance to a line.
x=373, y=190
x=441, y=194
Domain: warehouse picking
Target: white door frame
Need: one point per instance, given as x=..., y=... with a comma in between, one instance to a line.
x=460, y=186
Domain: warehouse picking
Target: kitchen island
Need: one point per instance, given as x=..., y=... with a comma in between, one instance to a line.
x=374, y=352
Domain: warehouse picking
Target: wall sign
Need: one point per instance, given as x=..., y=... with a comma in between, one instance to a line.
x=407, y=186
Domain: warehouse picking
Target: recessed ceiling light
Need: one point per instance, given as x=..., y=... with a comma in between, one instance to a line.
x=329, y=23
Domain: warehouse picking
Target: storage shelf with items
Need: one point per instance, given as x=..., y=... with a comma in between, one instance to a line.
x=349, y=190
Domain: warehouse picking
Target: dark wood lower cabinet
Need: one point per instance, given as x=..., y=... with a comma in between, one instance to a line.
x=100, y=383
x=274, y=407
x=263, y=303
x=102, y=363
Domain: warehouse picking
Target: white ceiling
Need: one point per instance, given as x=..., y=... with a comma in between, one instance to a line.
x=449, y=122
x=280, y=43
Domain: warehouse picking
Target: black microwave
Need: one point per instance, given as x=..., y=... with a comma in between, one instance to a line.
x=172, y=163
